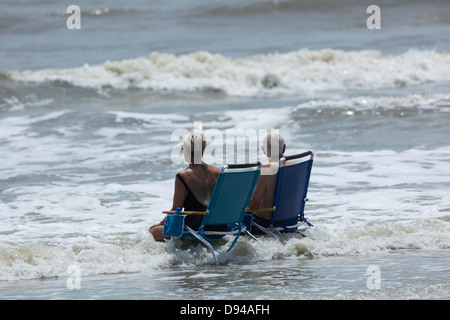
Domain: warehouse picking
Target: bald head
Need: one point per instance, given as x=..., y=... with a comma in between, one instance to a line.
x=273, y=145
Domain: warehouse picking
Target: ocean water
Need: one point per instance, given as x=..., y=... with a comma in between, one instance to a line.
x=89, y=123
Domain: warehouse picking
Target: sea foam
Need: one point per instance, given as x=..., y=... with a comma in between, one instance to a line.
x=291, y=73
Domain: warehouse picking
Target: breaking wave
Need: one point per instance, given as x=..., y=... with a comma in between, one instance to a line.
x=138, y=253
x=292, y=73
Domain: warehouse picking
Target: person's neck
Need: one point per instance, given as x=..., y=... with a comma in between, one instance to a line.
x=196, y=165
x=279, y=157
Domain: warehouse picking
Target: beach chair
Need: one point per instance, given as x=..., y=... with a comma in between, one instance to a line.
x=227, y=206
x=290, y=196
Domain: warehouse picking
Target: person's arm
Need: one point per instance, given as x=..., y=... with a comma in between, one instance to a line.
x=178, y=198
x=178, y=201
x=179, y=194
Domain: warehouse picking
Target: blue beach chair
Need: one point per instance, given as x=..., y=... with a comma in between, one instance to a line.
x=290, y=195
x=227, y=206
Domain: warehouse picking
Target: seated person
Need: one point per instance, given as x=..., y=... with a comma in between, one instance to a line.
x=193, y=185
x=265, y=187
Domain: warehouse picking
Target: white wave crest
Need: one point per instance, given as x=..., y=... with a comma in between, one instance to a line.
x=364, y=103
x=291, y=73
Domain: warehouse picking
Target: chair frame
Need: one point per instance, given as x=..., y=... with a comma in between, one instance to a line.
x=275, y=227
x=238, y=227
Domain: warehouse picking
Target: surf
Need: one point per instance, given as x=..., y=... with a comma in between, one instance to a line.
x=271, y=75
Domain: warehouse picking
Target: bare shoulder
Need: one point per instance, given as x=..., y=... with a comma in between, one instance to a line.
x=185, y=172
x=213, y=170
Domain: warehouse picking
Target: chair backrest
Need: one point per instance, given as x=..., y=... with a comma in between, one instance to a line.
x=232, y=193
x=291, y=189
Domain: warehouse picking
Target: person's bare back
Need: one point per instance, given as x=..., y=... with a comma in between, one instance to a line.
x=201, y=179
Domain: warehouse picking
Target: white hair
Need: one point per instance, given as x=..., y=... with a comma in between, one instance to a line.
x=270, y=141
x=194, y=144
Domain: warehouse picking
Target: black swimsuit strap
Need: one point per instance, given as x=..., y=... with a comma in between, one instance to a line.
x=184, y=182
x=190, y=193
x=190, y=201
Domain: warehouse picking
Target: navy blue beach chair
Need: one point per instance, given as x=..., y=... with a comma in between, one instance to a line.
x=290, y=196
x=227, y=206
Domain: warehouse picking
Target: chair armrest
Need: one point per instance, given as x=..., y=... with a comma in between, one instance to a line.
x=200, y=213
x=260, y=209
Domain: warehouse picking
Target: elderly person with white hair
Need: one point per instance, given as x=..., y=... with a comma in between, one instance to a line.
x=274, y=148
x=193, y=185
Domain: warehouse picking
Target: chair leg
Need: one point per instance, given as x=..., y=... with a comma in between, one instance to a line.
x=250, y=235
x=265, y=230
x=200, y=238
